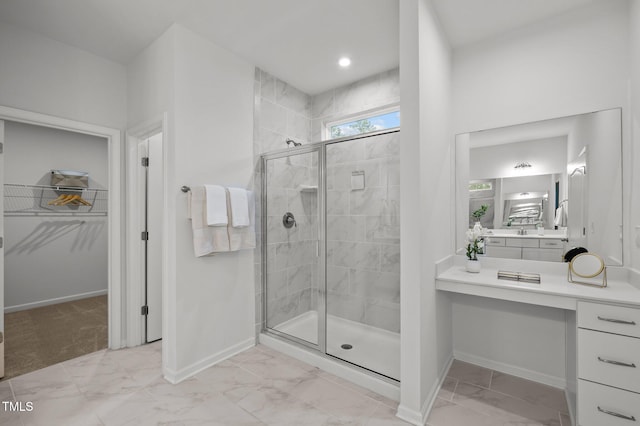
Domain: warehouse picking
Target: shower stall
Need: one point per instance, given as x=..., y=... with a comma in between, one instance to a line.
x=331, y=249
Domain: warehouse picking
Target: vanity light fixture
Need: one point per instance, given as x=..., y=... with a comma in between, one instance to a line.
x=522, y=165
x=344, y=62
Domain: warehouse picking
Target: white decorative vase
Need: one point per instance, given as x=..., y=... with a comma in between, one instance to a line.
x=473, y=266
x=477, y=227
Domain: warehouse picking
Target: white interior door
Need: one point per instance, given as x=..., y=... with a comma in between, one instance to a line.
x=154, y=242
x=2, y=249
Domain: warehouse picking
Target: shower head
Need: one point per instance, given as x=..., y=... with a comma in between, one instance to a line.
x=291, y=143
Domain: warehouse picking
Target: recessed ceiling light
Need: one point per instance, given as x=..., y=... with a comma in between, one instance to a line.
x=344, y=62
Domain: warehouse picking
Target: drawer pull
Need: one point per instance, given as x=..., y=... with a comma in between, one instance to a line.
x=617, y=321
x=614, y=414
x=610, y=361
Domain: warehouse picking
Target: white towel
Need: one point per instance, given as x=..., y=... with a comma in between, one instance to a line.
x=206, y=239
x=239, y=207
x=216, y=203
x=561, y=215
x=245, y=237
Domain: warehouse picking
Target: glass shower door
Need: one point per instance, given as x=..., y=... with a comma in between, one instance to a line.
x=291, y=223
x=363, y=252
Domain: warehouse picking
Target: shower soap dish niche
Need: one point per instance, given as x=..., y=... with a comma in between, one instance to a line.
x=307, y=188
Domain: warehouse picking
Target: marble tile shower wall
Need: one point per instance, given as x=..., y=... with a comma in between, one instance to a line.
x=363, y=232
x=281, y=111
x=377, y=91
x=292, y=260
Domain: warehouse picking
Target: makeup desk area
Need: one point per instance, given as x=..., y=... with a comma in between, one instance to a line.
x=603, y=384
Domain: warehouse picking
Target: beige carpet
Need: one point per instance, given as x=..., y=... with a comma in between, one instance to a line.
x=37, y=338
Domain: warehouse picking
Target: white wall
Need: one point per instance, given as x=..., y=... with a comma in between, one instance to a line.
x=426, y=227
x=213, y=144
x=574, y=63
x=634, y=203
x=490, y=340
x=150, y=81
x=42, y=75
x=50, y=259
x=208, y=95
x=545, y=156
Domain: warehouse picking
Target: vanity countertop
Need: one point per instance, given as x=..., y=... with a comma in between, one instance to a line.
x=530, y=235
x=553, y=291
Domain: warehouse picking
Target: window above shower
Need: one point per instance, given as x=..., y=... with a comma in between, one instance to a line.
x=369, y=121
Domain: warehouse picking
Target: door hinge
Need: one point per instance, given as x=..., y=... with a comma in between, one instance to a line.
x=1, y=242
x=1, y=337
x=145, y=161
x=144, y=235
x=144, y=310
x=1, y=147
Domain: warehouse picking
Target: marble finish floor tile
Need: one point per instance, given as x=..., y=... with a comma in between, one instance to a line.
x=473, y=395
x=255, y=388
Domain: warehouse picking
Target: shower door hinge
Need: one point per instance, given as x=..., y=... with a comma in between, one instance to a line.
x=145, y=161
x=144, y=310
x=144, y=236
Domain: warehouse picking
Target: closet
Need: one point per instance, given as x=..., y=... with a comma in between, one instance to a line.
x=55, y=245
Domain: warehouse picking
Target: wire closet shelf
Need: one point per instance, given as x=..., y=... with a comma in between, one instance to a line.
x=34, y=200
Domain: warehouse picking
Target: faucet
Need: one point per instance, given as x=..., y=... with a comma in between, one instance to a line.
x=522, y=231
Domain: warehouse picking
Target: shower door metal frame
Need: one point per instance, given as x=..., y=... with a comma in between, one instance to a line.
x=320, y=147
x=322, y=282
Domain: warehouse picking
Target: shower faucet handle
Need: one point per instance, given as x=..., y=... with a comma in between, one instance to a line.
x=289, y=221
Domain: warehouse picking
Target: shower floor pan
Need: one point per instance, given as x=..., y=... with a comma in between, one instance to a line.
x=370, y=347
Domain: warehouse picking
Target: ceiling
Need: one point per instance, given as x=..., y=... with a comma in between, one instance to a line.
x=299, y=41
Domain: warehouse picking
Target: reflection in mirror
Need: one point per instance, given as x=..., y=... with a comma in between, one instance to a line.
x=548, y=186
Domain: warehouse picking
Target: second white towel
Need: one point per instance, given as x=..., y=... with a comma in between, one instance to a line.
x=239, y=207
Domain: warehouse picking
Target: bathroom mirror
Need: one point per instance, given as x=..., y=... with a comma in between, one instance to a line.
x=558, y=179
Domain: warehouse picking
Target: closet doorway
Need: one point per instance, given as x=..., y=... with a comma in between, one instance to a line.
x=114, y=223
x=56, y=244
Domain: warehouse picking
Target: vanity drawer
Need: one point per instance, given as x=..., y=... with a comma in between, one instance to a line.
x=557, y=244
x=609, y=318
x=598, y=405
x=494, y=241
x=547, y=254
x=609, y=359
x=522, y=242
x=504, y=252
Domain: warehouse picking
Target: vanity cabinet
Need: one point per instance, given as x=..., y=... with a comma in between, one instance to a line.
x=547, y=249
x=608, y=364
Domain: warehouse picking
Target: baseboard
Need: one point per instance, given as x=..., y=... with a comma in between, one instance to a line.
x=419, y=418
x=177, y=376
x=411, y=416
x=54, y=301
x=556, y=382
